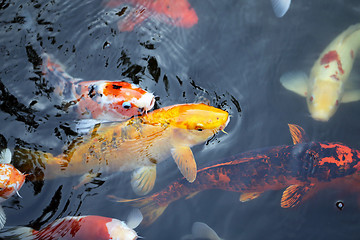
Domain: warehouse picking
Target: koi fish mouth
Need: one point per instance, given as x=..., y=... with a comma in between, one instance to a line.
x=146, y=102
x=222, y=127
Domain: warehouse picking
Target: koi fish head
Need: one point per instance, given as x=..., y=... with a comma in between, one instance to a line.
x=11, y=180
x=179, y=12
x=324, y=99
x=194, y=122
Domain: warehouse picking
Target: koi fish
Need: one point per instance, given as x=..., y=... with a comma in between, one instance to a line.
x=138, y=144
x=11, y=180
x=280, y=7
x=325, y=88
x=201, y=230
x=175, y=12
x=81, y=228
x=299, y=168
x=99, y=99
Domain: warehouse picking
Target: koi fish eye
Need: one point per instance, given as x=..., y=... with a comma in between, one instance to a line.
x=199, y=127
x=126, y=105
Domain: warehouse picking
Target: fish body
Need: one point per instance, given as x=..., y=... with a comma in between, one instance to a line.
x=81, y=228
x=138, y=144
x=99, y=99
x=175, y=12
x=11, y=180
x=325, y=88
x=299, y=168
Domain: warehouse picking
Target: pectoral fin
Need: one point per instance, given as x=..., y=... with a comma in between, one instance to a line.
x=351, y=96
x=295, y=82
x=293, y=195
x=143, y=180
x=280, y=7
x=185, y=161
x=201, y=230
x=298, y=134
x=134, y=219
x=2, y=217
x=249, y=196
x=5, y=156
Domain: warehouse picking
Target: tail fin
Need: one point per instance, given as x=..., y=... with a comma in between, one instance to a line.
x=33, y=162
x=17, y=233
x=149, y=208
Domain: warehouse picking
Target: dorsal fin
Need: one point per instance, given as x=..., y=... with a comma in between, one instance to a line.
x=298, y=134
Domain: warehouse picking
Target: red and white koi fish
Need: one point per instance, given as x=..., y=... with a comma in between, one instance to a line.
x=99, y=99
x=326, y=86
x=80, y=228
x=11, y=180
x=175, y=12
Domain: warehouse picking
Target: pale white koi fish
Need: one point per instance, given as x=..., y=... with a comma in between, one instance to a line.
x=326, y=88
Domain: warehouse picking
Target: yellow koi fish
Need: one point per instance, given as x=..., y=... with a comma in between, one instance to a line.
x=138, y=144
x=325, y=88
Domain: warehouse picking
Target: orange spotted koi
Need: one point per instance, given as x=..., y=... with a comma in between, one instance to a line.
x=11, y=180
x=99, y=99
x=299, y=168
x=175, y=12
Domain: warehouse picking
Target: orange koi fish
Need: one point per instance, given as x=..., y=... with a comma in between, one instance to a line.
x=299, y=168
x=11, y=180
x=326, y=87
x=80, y=228
x=176, y=12
x=99, y=99
x=138, y=144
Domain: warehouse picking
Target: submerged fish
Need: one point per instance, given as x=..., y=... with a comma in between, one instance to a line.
x=201, y=230
x=325, y=89
x=99, y=99
x=11, y=180
x=299, y=168
x=175, y=12
x=81, y=228
x=137, y=144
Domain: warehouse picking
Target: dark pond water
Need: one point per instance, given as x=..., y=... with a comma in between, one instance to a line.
x=234, y=57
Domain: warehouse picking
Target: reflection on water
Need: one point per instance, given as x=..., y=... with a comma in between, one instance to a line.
x=233, y=56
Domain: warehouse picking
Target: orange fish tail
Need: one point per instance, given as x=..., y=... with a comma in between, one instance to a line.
x=148, y=206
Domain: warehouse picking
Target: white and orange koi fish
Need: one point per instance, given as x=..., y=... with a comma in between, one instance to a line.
x=325, y=89
x=98, y=99
x=11, y=180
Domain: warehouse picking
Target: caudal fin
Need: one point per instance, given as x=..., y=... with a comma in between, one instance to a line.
x=149, y=208
x=17, y=233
